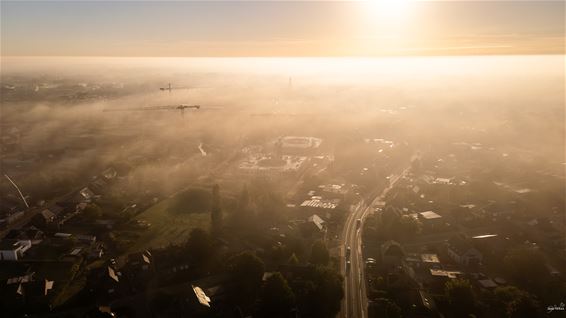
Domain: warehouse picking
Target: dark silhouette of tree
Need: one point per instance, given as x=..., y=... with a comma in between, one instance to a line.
x=385, y=308
x=92, y=211
x=319, y=292
x=244, y=200
x=161, y=302
x=460, y=296
x=523, y=307
x=391, y=225
x=319, y=254
x=527, y=267
x=513, y=302
x=406, y=227
x=293, y=260
x=216, y=210
x=240, y=218
x=199, y=247
x=246, y=272
x=277, y=299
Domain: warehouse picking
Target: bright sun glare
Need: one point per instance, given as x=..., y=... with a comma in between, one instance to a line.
x=389, y=10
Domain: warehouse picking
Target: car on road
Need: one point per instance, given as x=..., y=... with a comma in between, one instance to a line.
x=370, y=262
x=348, y=252
x=358, y=223
x=348, y=265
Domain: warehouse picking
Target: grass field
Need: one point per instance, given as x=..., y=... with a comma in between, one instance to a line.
x=168, y=224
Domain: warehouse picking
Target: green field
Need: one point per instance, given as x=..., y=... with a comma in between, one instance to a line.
x=170, y=224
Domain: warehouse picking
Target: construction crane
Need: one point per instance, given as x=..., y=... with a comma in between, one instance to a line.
x=169, y=87
x=181, y=108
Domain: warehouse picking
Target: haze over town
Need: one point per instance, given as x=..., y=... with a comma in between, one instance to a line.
x=335, y=166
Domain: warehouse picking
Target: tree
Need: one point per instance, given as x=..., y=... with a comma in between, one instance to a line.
x=277, y=298
x=240, y=218
x=527, y=267
x=460, y=296
x=514, y=302
x=319, y=292
x=246, y=271
x=161, y=302
x=216, y=210
x=199, y=247
x=319, y=254
x=384, y=307
x=406, y=227
x=244, y=200
x=293, y=260
x=92, y=211
x=523, y=307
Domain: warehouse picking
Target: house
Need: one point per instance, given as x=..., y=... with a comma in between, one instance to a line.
x=85, y=238
x=205, y=294
x=461, y=251
x=487, y=283
x=437, y=279
x=96, y=251
x=314, y=226
x=98, y=186
x=109, y=174
x=113, y=275
x=201, y=296
x=422, y=304
x=318, y=222
x=44, y=219
x=86, y=194
x=13, y=250
x=29, y=233
x=444, y=181
x=430, y=218
x=25, y=291
x=139, y=268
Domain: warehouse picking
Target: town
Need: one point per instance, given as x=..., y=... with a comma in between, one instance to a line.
x=177, y=220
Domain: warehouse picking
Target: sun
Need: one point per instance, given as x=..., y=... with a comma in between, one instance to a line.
x=389, y=10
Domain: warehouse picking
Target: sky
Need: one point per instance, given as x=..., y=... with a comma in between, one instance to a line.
x=280, y=28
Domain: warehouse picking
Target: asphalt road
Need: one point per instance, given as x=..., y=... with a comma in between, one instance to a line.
x=355, y=301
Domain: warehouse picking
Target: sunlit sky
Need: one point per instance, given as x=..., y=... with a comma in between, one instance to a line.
x=280, y=28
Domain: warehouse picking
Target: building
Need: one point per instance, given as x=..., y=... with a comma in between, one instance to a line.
x=265, y=165
x=299, y=143
x=314, y=227
x=461, y=251
x=13, y=250
x=318, y=222
x=430, y=220
x=318, y=202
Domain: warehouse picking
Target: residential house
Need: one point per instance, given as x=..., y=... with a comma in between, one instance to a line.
x=462, y=251
x=13, y=250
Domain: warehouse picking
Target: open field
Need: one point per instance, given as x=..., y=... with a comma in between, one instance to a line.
x=168, y=225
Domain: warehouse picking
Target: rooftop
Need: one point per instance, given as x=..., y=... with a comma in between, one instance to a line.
x=430, y=258
x=444, y=273
x=201, y=296
x=317, y=220
x=430, y=215
x=321, y=203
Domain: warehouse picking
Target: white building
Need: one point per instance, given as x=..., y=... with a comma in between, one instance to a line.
x=462, y=252
x=11, y=250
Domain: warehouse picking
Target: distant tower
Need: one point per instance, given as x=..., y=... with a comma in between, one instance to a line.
x=216, y=211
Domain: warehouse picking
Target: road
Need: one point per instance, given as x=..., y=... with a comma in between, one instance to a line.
x=355, y=301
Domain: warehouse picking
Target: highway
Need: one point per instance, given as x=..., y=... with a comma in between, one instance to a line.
x=355, y=302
